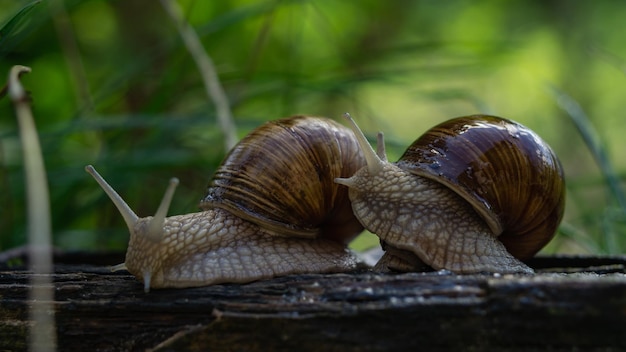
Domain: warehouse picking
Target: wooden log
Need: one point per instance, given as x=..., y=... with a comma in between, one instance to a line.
x=573, y=303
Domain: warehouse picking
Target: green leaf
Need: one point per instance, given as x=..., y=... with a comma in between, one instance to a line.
x=14, y=29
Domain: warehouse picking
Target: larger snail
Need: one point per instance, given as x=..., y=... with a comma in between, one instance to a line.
x=271, y=209
x=473, y=194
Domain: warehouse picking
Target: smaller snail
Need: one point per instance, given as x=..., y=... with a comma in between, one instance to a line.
x=271, y=209
x=473, y=194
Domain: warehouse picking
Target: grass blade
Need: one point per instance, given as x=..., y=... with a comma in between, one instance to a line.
x=599, y=153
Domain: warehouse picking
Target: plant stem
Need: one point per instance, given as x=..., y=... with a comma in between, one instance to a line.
x=43, y=332
x=207, y=70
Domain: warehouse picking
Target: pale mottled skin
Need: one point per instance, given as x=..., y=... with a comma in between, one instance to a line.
x=214, y=246
x=423, y=217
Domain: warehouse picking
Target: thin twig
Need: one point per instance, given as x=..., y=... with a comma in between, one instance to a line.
x=207, y=70
x=42, y=335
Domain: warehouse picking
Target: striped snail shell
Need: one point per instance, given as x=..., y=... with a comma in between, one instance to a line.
x=281, y=177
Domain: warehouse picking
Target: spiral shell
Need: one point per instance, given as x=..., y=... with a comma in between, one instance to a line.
x=508, y=173
x=280, y=177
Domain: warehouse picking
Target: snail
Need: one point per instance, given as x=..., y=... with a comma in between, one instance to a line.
x=271, y=209
x=473, y=194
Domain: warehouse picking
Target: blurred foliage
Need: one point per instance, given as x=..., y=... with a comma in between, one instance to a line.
x=112, y=85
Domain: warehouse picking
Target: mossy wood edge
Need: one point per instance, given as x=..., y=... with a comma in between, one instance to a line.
x=574, y=303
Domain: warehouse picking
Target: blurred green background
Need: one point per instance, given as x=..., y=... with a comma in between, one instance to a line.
x=113, y=85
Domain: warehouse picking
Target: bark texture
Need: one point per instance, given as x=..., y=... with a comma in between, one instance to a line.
x=573, y=303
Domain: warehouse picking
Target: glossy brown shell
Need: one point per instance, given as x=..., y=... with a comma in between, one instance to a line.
x=505, y=170
x=281, y=177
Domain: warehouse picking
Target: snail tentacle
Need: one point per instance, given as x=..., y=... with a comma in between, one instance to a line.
x=119, y=267
x=380, y=146
x=130, y=218
x=147, y=278
x=155, y=227
x=374, y=161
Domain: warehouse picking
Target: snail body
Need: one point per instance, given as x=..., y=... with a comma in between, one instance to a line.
x=473, y=194
x=271, y=209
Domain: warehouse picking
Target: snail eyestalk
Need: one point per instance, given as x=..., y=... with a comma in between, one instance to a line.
x=373, y=159
x=380, y=146
x=155, y=227
x=127, y=213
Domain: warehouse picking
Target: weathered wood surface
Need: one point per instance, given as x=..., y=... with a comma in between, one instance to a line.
x=96, y=310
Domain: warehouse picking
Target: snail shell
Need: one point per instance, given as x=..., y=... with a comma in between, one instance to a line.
x=281, y=177
x=509, y=175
